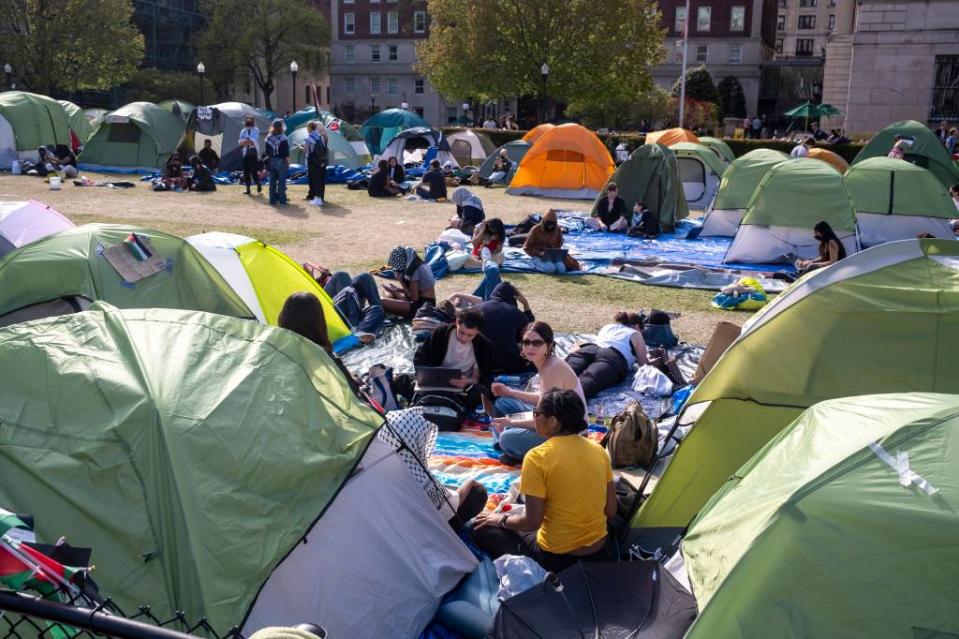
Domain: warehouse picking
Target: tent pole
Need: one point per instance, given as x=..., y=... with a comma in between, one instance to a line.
x=682, y=77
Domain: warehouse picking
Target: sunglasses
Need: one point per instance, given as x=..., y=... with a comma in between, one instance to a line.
x=532, y=342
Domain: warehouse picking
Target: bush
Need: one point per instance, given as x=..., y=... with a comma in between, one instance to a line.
x=699, y=86
x=732, y=100
x=152, y=85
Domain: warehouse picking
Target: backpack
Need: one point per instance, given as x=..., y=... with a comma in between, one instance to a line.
x=632, y=439
x=320, y=155
x=445, y=411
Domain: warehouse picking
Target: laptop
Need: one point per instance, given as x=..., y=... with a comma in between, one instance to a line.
x=436, y=378
x=555, y=254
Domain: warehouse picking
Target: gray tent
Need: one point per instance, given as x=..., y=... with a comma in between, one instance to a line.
x=516, y=150
x=222, y=124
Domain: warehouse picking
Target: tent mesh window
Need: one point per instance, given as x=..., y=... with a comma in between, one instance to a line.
x=125, y=133
x=564, y=155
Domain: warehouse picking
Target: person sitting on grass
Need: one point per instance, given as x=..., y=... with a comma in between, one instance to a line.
x=503, y=324
x=644, y=223
x=208, y=156
x=433, y=184
x=568, y=490
x=611, y=211
x=608, y=361
x=173, y=173
x=469, y=211
x=417, y=286
x=202, y=178
x=358, y=299
x=396, y=175
x=380, y=184
x=543, y=236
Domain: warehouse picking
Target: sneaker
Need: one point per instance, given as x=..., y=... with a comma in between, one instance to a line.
x=316, y=201
x=508, y=460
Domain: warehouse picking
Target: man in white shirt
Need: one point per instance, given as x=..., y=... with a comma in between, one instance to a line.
x=489, y=124
x=801, y=150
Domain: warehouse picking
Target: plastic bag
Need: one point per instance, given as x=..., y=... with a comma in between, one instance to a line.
x=517, y=574
x=651, y=381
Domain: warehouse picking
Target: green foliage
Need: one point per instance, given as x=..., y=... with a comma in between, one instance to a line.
x=258, y=40
x=699, y=85
x=624, y=114
x=732, y=100
x=495, y=48
x=69, y=45
x=153, y=85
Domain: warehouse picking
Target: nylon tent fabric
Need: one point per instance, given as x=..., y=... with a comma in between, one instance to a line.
x=708, y=157
x=28, y=121
x=263, y=277
x=222, y=123
x=340, y=150
x=736, y=188
x=516, y=150
x=700, y=171
x=568, y=161
x=179, y=108
x=28, y=221
x=879, y=321
x=78, y=122
x=380, y=129
x=140, y=135
x=418, y=138
x=830, y=158
x=470, y=147
x=669, y=137
x=95, y=116
x=719, y=147
x=193, y=451
x=72, y=264
x=537, y=132
x=650, y=175
x=926, y=150
x=790, y=200
x=896, y=200
x=794, y=541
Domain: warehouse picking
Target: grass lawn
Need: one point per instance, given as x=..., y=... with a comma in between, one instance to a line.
x=355, y=232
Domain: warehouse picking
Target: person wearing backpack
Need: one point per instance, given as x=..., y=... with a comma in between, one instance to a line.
x=317, y=157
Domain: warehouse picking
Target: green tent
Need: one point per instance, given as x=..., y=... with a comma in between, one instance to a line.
x=72, y=264
x=139, y=136
x=923, y=149
x=844, y=525
x=700, y=170
x=341, y=151
x=79, y=124
x=383, y=127
x=179, y=108
x=191, y=451
x=881, y=321
x=896, y=200
x=720, y=148
x=792, y=197
x=515, y=149
x=27, y=122
x=651, y=175
x=739, y=182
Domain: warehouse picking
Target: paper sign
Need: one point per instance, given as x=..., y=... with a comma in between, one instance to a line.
x=129, y=267
x=204, y=113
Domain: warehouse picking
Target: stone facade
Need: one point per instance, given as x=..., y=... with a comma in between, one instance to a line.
x=803, y=26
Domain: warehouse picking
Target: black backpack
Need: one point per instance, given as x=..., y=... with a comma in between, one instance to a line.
x=443, y=410
x=320, y=155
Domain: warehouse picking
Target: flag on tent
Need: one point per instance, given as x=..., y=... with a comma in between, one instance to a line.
x=22, y=566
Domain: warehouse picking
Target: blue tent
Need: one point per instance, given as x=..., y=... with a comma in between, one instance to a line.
x=383, y=127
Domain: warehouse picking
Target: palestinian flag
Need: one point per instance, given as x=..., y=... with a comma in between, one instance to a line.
x=22, y=566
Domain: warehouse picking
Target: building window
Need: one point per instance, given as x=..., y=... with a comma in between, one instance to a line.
x=735, y=53
x=805, y=4
x=392, y=86
x=737, y=19
x=350, y=84
x=419, y=22
x=832, y=21
x=394, y=55
x=704, y=16
x=374, y=53
x=374, y=85
x=418, y=111
x=702, y=52
x=375, y=23
x=807, y=22
x=392, y=22
x=347, y=1
x=804, y=46
x=349, y=23
x=781, y=23
x=451, y=115
x=418, y=85
x=680, y=19
x=779, y=45
x=832, y=3
x=945, y=89
x=782, y=3
x=349, y=54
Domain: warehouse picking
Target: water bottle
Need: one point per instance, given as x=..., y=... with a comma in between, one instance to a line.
x=482, y=418
x=509, y=380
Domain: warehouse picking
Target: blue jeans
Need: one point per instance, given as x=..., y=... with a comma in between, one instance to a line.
x=515, y=441
x=365, y=294
x=277, y=180
x=491, y=278
x=545, y=266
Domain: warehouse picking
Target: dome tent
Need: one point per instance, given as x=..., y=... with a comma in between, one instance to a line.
x=138, y=136
x=651, y=176
x=380, y=129
x=736, y=188
x=700, y=171
x=25, y=222
x=222, y=123
x=878, y=321
x=80, y=126
x=537, y=132
x=516, y=150
x=220, y=467
x=27, y=122
x=470, y=147
x=332, y=123
x=669, y=137
x=179, y=108
x=568, y=161
x=832, y=159
x=843, y=525
x=896, y=200
x=418, y=138
x=792, y=197
x=340, y=150
x=923, y=149
x=720, y=148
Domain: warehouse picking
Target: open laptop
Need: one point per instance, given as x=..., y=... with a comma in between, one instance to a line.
x=436, y=378
x=555, y=254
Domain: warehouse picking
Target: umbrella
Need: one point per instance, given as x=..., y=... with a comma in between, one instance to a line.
x=809, y=110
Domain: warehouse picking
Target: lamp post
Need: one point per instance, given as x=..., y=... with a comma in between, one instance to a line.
x=404, y=104
x=372, y=104
x=8, y=70
x=544, y=72
x=294, y=69
x=201, y=70
x=682, y=77
x=466, y=113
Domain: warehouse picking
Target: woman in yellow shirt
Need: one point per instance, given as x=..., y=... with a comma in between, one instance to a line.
x=567, y=486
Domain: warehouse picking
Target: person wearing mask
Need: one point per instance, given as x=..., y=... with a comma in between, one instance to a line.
x=317, y=157
x=249, y=138
x=208, y=156
x=545, y=235
x=611, y=211
x=619, y=346
x=278, y=156
x=469, y=211
x=568, y=491
x=433, y=185
x=831, y=249
x=202, y=177
x=515, y=433
x=417, y=286
x=380, y=184
x=358, y=300
x=801, y=150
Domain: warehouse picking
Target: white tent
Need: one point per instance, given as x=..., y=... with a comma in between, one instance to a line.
x=416, y=142
x=470, y=147
x=25, y=222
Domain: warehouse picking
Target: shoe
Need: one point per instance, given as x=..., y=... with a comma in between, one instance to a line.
x=259, y=188
x=316, y=201
x=247, y=192
x=308, y=198
x=508, y=460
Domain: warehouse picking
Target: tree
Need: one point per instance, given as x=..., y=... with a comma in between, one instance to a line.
x=732, y=100
x=70, y=45
x=495, y=48
x=699, y=85
x=259, y=39
x=153, y=85
x=655, y=106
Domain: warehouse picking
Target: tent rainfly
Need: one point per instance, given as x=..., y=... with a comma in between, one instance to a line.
x=27, y=122
x=380, y=129
x=29, y=221
x=222, y=123
x=470, y=147
x=700, y=170
x=720, y=148
x=922, y=148
x=568, y=161
x=736, y=189
x=139, y=136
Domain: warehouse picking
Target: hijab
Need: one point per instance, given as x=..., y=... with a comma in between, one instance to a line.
x=464, y=197
x=404, y=261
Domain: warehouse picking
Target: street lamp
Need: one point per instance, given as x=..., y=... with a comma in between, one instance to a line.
x=404, y=104
x=294, y=69
x=372, y=104
x=8, y=70
x=201, y=70
x=466, y=113
x=544, y=72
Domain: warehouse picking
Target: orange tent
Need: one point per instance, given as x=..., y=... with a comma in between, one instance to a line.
x=669, y=137
x=830, y=158
x=567, y=161
x=537, y=132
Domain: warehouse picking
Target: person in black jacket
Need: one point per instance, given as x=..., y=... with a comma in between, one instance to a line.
x=202, y=178
x=379, y=184
x=611, y=213
x=395, y=172
x=433, y=185
x=317, y=157
x=208, y=155
x=503, y=325
x=460, y=345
